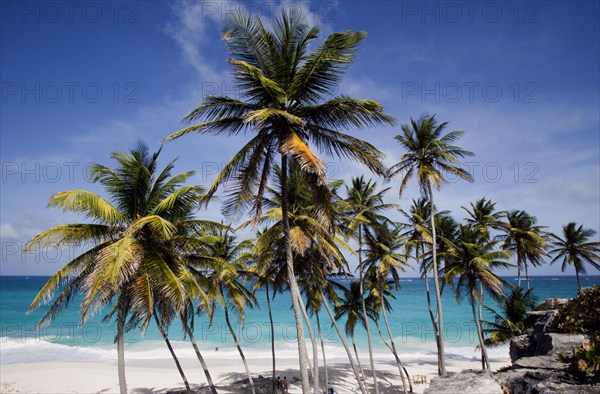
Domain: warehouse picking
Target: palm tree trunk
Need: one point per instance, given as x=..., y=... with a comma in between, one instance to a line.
x=272, y=332
x=364, y=309
x=199, y=355
x=578, y=282
x=433, y=319
x=527, y=276
x=395, y=356
x=518, y=271
x=294, y=291
x=479, y=334
x=237, y=345
x=395, y=352
x=484, y=359
x=431, y=315
x=121, y=345
x=344, y=344
x=323, y=352
x=440, y=316
x=177, y=364
x=362, y=372
x=315, y=350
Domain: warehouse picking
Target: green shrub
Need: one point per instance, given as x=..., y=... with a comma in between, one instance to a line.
x=585, y=360
x=581, y=315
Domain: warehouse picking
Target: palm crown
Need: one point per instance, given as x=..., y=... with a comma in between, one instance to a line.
x=135, y=238
x=284, y=87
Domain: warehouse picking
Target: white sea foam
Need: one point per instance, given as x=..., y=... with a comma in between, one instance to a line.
x=30, y=351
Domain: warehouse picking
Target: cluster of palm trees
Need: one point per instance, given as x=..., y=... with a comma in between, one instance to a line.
x=153, y=259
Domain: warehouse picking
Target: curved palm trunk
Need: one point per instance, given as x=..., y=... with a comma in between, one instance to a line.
x=479, y=334
x=440, y=316
x=272, y=332
x=364, y=309
x=121, y=346
x=395, y=352
x=213, y=389
x=294, y=291
x=432, y=318
x=578, y=282
x=362, y=372
x=177, y=364
x=400, y=372
x=527, y=276
x=323, y=352
x=484, y=360
x=237, y=345
x=430, y=309
x=344, y=344
x=315, y=350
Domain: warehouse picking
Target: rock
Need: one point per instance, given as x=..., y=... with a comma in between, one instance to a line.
x=465, y=382
x=541, y=362
x=540, y=320
x=520, y=346
x=542, y=344
x=564, y=388
x=554, y=303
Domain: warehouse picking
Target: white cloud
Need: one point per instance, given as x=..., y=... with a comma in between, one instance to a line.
x=8, y=231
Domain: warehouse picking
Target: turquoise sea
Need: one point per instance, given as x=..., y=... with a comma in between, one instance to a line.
x=65, y=339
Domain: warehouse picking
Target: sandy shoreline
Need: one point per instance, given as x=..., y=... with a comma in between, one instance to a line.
x=158, y=376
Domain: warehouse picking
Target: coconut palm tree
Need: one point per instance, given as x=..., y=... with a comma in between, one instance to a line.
x=350, y=307
x=484, y=217
x=430, y=157
x=509, y=322
x=135, y=234
x=573, y=248
x=472, y=263
x=283, y=87
x=382, y=264
x=525, y=239
x=363, y=213
x=224, y=264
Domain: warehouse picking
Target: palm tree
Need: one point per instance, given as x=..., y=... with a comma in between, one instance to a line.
x=350, y=307
x=510, y=321
x=334, y=296
x=135, y=236
x=574, y=248
x=384, y=260
x=525, y=239
x=312, y=212
x=472, y=262
x=284, y=86
x=364, y=207
x=225, y=263
x=429, y=156
x=483, y=216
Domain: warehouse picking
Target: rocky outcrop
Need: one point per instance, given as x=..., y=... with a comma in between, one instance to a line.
x=467, y=381
x=536, y=367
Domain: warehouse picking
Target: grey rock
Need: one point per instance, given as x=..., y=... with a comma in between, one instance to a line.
x=541, y=362
x=555, y=303
x=564, y=388
x=542, y=344
x=465, y=382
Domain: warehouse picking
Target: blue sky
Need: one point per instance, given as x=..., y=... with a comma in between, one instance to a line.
x=83, y=79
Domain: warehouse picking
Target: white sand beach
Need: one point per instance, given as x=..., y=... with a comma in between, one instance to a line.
x=159, y=376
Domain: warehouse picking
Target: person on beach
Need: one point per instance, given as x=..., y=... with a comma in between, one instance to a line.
x=286, y=385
